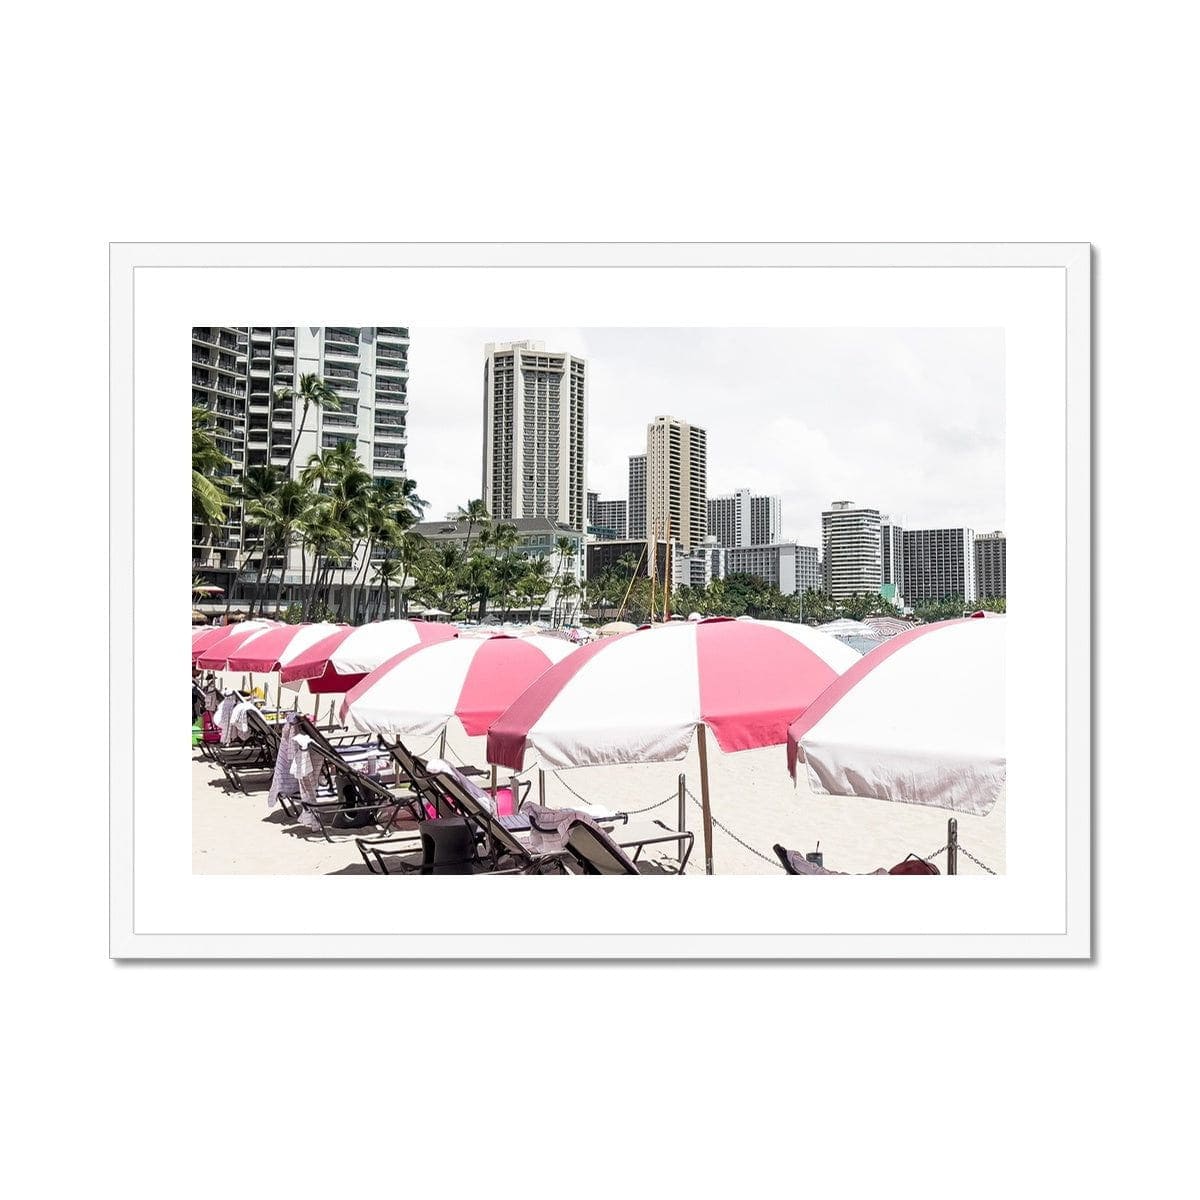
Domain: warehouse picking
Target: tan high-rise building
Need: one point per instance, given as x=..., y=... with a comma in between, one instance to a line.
x=676, y=482
x=534, y=434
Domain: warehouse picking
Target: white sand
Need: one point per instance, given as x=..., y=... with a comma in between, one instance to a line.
x=751, y=793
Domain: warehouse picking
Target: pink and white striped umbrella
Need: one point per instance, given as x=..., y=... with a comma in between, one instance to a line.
x=640, y=697
x=416, y=693
x=340, y=661
x=919, y=720
x=278, y=646
x=213, y=654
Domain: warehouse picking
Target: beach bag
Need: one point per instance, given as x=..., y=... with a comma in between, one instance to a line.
x=352, y=798
x=211, y=732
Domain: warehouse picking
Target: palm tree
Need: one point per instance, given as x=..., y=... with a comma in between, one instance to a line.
x=475, y=513
x=565, y=547
x=209, y=500
x=313, y=390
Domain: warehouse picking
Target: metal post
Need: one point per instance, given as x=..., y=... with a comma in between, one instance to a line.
x=682, y=826
x=708, y=833
x=541, y=787
x=442, y=743
x=952, y=846
x=493, y=784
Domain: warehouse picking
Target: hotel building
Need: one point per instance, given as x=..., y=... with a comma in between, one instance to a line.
x=939, y=564
x=851, y=550
x=636, y=513
x=990, y=565
x=237, y=372
x=744, y=519
x=785, y=566
x=676, y=482
x=534, y=434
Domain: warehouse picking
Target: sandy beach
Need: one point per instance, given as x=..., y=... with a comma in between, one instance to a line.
x=751, y=794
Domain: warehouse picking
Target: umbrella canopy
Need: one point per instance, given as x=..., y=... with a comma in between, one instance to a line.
x=213, y=655
x=206, y=639
x=616, y=627
x=340, y=661
x=640, y=697
x=919, y=720
x=887, y=627
x=278, y=646
x=199, y=618
x=844, y=627
x=415, y=693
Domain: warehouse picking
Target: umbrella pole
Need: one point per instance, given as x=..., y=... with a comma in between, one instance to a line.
x=682, y=812
x=708, y=838
x=493, y=784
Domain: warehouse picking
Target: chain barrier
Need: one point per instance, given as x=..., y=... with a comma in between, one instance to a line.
x=976, y=861
x=629, y=812
x=729, y=833
x=931, y=857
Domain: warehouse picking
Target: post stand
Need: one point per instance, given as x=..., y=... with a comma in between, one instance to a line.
x=541, y=787
x=442, y=743
x=682, y=826
x=952, y=846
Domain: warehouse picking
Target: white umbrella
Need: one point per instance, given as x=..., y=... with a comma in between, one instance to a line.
x=920, y=720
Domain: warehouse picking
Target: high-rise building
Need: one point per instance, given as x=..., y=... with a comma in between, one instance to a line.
x=238, y=372
x=891, y=545
x=534, y=434
x=744, y=519
x=851, y=550
x=939, y=564
x=676, y=482
x=606, y=518
x=991, y=565
x=219, y=384
x=698, y=567
x=637, y=496
x=785, y=566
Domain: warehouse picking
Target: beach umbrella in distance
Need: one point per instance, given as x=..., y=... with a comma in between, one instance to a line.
x=416, y=693
x=345, y=657
x=214, y=655
x=641, y=697
x=278, y=646
x=920, y=721
x=615, y=628
x=209, y=638
x=887, y=627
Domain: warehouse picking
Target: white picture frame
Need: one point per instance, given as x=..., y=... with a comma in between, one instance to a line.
x=1039, y=292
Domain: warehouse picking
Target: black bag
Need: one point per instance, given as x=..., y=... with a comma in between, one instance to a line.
x=363, y=813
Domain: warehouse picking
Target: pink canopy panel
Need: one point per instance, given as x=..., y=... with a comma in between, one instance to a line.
x=919, y=720
x=213, y=655
x=639, y=697
x=340, y=661
x=475, y=679
x=278, y=646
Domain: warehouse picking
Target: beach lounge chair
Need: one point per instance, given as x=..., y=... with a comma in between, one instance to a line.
x=494, y=842
x=357, y=796
x=596, y=851
x=794, y=863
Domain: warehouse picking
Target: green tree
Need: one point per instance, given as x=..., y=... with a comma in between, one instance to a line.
x=313, y=390
x=209, y=498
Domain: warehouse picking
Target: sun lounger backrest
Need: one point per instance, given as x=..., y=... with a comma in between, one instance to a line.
x=596, y=852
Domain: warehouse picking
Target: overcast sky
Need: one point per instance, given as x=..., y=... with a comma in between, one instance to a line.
x=910, y=421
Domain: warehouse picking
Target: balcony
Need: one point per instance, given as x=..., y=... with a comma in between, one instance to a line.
x=202, y=356
x=203, y=333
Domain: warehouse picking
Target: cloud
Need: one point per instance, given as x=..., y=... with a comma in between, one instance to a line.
x=907, y=420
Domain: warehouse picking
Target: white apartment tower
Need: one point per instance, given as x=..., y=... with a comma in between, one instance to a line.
x=237, y=372
x=939, y=564
x=637, y=497
x=676, y=482
x=743, y=519
x=851, y=550
x=534, y=434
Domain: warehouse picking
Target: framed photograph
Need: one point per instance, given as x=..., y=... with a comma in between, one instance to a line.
x=683, y=561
